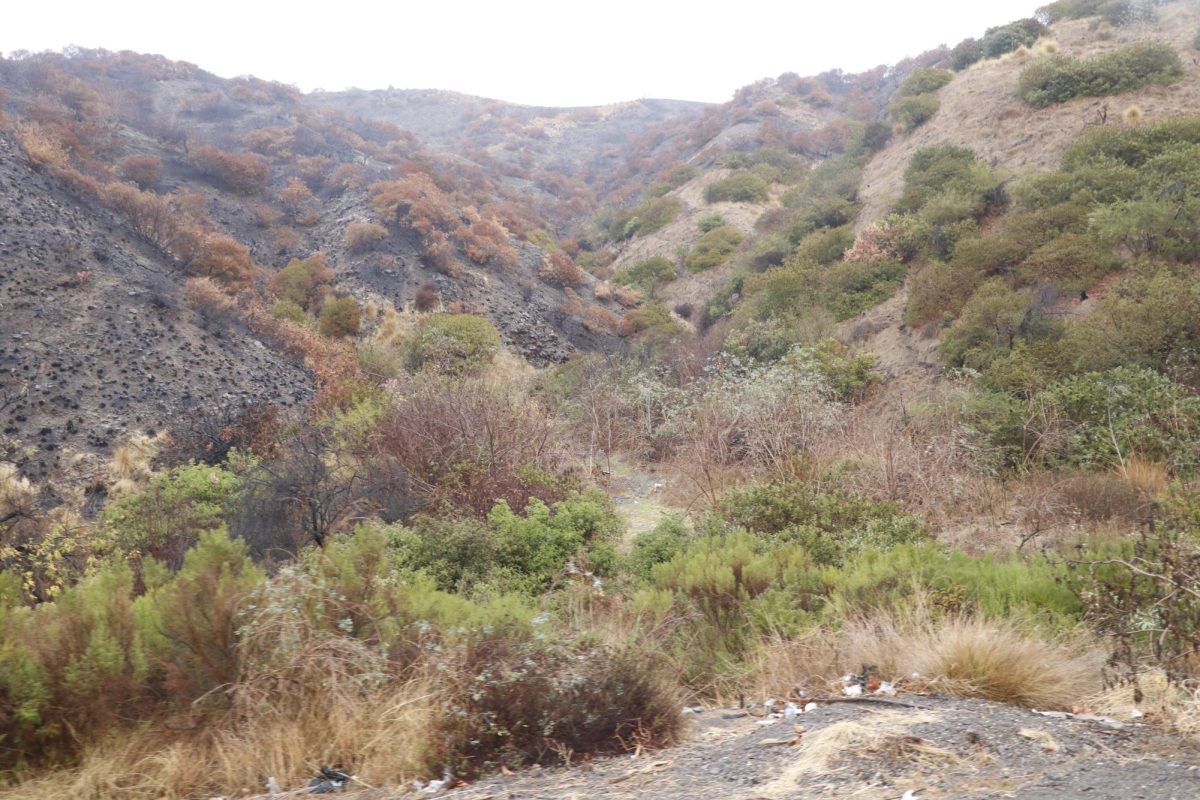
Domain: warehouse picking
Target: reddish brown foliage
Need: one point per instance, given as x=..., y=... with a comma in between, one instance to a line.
x=245, y=173
x=426, y=298
x=363, y=236
x=560, y=270
x=224, y=259
x=144, y=170
x=209, y=300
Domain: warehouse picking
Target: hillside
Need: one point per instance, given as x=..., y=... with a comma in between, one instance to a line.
x=839, y=439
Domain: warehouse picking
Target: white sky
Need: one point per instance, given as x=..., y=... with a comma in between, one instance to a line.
x=537, y=52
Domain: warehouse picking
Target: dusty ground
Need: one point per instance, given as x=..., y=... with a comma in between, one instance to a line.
x=927, y=748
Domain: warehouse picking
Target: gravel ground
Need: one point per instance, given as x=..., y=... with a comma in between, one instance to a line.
x=931, y=747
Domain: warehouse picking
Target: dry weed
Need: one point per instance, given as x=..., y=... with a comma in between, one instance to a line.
x=1171, y=706
x=975, y=657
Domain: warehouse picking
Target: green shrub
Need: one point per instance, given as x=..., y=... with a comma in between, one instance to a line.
x=831, y=527
x=647, y=275
x=1058, y=78
x=655, y=214
x=340, y=317
x=773, y=164
x=660, y=544
x=303, y=281
x=824, y=246
x=740, y=187
x=672, y=179
x=923, y=81
x=851, y=287
x=713, y=248
x=453, y=343
x=946, y=170
x=709, y=222
x=913, y=112
x=1000, y=588
x=989, y=325
x=996, y=42
x=1127, y=411
x=1073, y=262
x=1117, y=12
x=289, y=311
x=166, y=519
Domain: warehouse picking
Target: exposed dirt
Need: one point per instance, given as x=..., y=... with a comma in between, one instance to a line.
x=96, y=342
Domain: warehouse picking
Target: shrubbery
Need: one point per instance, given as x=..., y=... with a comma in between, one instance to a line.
x=1058, y=79
x=454, y=343
x=647, y=275
x=740, y=187
x=713, y=248
x=996, y=42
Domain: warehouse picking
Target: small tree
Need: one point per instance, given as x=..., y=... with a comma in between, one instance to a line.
x=340, y=317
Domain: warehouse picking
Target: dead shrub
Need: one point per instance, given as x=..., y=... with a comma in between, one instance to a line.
x=144, y=170
x=426, y=298
x=468, y=443
x=363, y=236
x=1102, y=497
x=210, y=301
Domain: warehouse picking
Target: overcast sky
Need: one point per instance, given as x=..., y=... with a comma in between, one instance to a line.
x=526, y=51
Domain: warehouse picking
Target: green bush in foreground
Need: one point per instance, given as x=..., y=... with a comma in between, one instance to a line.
x=1058, y=79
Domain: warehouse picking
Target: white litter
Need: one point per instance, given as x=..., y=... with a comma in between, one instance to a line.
x=909, y=795
x=273, y=787
x=810, y=707
x=1135, y=714
x=790, y=711
x=886, y=689
x=853, y=691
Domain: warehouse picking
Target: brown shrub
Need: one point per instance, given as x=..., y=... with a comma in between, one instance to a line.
x=244, y=173
x=266, y=215
x=224, y=259
x=144, y=170
x=559, y=269
x=363, y=236
x=41, y=148
x=295, y=197
x=210, y=300
x=285, y=240
x=598, y=319
x=426, y=298
x=467, y=443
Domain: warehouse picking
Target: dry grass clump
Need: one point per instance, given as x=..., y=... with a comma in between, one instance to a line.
x=971, y=656
x=1171, y=706
x=130, y=467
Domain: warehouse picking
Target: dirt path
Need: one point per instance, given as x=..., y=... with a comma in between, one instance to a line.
x=640, y=497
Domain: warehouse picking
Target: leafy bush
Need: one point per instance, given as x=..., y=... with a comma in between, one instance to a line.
x=740, y=187
x=831, y=527
x=453, y=343
x=656, y=213
x=302, y=281
x=946, y=170
x=713, y=248
x=824, y=246
x=996, y=42
x=340, y=317
x=164, y=520
x=710, y=222
x=658, y=545
x=1058, y=79
x=1117, y=12
x=913, y=112
x=851, y=287
x=647, y=275
x=923, y=81
x=363, y=236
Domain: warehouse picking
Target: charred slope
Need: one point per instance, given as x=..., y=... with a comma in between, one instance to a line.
x=96, y=342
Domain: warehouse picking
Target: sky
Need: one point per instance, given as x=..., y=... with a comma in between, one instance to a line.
x=523, y=51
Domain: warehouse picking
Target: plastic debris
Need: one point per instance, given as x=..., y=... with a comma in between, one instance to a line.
x=854, y=690
x=1105, y=722
x=328, y=780
x=273, y=787
x=810, y=706
x=1135, y=714
x=909, y=795
x=886, y=688
x=790, y=711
